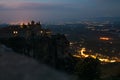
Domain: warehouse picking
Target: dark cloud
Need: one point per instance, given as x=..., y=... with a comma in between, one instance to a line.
x=2, y=7
x=36, y=6
x=59, y=11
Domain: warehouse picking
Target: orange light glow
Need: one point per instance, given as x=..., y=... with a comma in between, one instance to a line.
x=82, y=52
x=105, y=38
x=102, y=58
x=23, y=23
x=19, y=23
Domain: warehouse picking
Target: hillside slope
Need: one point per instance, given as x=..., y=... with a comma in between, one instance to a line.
x=19, y=67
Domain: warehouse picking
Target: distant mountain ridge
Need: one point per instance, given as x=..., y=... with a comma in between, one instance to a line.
x=3, y=25
x=111, y=19
x=95, y=19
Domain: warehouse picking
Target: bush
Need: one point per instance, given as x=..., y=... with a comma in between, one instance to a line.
x=88, y=69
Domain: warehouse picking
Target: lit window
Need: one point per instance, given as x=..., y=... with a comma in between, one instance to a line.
x=41, y=32
x=15, y=32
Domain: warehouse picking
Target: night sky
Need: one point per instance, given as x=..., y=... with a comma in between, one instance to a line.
x=14, y=11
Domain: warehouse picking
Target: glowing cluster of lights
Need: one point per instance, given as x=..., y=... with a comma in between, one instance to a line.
x=105, y=38
x=99, y=56
x=48, y=32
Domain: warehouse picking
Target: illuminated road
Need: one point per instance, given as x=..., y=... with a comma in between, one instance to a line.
x=102, y=58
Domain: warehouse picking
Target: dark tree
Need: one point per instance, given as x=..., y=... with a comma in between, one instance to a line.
x=88, y=69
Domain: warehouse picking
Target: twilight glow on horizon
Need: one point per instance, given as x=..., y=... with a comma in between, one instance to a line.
x=46, y=11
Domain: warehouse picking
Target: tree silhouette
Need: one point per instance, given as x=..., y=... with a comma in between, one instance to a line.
x=88, y=69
